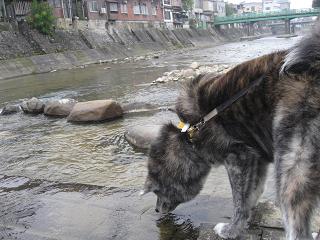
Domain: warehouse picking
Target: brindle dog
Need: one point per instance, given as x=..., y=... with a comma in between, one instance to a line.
x=278, y=120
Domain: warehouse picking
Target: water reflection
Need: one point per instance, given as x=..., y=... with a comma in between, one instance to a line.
x=172, y=227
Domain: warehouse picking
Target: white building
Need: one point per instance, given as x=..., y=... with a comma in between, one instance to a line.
x=205, y=10
x=251, y=7
x=219, y=7
x=275, y=5
x=167, y=13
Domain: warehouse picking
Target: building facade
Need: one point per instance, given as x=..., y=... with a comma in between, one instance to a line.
x=251, y=7
x=205, y=10
x=219, y=7
x=284, y=4
x=275, y=5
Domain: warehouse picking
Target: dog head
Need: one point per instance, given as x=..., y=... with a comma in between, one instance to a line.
x=176, y=171
x=304, y=56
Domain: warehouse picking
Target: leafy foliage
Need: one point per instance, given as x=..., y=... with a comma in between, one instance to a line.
x=316, y=3
x=41, y=17
x=187, y=5
x=230, y=10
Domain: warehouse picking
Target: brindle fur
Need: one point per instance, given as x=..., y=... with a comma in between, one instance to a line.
x=276, y=121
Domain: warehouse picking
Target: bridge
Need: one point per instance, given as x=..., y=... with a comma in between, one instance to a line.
x=251, y=18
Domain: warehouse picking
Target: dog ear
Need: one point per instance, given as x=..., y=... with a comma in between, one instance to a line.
x=149, y=186
x=296, y=68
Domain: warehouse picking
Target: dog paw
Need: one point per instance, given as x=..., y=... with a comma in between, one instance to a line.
x=226, y=231
x=315, y=236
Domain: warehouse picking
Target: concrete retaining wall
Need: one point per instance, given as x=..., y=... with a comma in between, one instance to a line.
x=27, y=53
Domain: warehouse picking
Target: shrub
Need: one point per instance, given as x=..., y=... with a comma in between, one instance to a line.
x=41, y=17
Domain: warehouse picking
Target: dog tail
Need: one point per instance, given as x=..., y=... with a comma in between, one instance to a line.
x=305, y=55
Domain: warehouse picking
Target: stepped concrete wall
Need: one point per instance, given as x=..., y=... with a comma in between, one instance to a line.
x=27, y=52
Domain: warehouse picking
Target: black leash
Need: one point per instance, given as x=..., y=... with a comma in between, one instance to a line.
x=196, y=127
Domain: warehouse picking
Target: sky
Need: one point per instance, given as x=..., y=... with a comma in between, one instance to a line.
x=295, y=4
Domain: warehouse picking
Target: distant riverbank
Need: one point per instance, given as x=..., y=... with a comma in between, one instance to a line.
x=28, y=52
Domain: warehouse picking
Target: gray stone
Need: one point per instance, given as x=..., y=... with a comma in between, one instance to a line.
x=206, y=232
x=33, y=106
x=10, y=109
x=266, y=224
x=98, y=110
x=59, y=108
x=186, y=73
x=160, y=80
x=138, y=107
x=142, y=136
x=194, y=65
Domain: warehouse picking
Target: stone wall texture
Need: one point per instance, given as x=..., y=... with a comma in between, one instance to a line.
x=27, y=52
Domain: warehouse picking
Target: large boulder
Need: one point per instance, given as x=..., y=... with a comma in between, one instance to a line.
x=93, y=111
x=10, y=109
x=142, y=136
x=33, y=106
x=59, y=108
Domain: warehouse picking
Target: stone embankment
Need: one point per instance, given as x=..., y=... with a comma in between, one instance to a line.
x=27, y=52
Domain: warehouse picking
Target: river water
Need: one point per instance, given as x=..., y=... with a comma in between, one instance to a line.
x=65, y=181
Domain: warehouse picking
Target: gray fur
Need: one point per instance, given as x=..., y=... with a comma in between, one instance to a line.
x=277, y=121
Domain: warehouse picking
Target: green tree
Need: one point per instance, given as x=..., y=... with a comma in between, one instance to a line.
x=230, y=10
x=41, y=17
x=187, y=5
x=316, y=3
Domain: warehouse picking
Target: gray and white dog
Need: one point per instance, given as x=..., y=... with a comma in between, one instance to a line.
x=277, y=120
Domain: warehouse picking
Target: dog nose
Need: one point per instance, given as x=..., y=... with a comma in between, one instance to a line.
x=157, y=210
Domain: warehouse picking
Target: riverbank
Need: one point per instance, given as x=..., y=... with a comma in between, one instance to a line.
x=27, y=52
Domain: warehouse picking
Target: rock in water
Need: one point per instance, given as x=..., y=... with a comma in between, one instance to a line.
x=33, y=105
x=186, y=73
x=59, y=108
x=98, y=110
x=137, y=107
x=10, y=109
x=142, y=136
x=194, y=65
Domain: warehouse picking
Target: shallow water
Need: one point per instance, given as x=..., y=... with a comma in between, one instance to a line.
x=50, y=152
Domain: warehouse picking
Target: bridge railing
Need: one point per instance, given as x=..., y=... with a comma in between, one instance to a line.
x=286, y=12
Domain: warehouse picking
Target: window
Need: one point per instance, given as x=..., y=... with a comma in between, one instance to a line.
x=167, y=15
x=267, y=8
x=93, y=6
x=113, y=7
x=143, y=9
x=153, y=10
x=166, y=2
x=253, y=8
x=124, y=8
x=136, y=8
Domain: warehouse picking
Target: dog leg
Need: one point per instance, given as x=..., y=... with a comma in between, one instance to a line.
x=247, y=176
x=298, y=174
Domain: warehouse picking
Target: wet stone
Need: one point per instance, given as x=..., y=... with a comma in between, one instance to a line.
x=206, y=232
x=93, y=111
x=142, y=136
x=33, y=106
x=59, y=108
x=194, y=65
x=10, y=109
x=138, y=107
x=266, y=224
